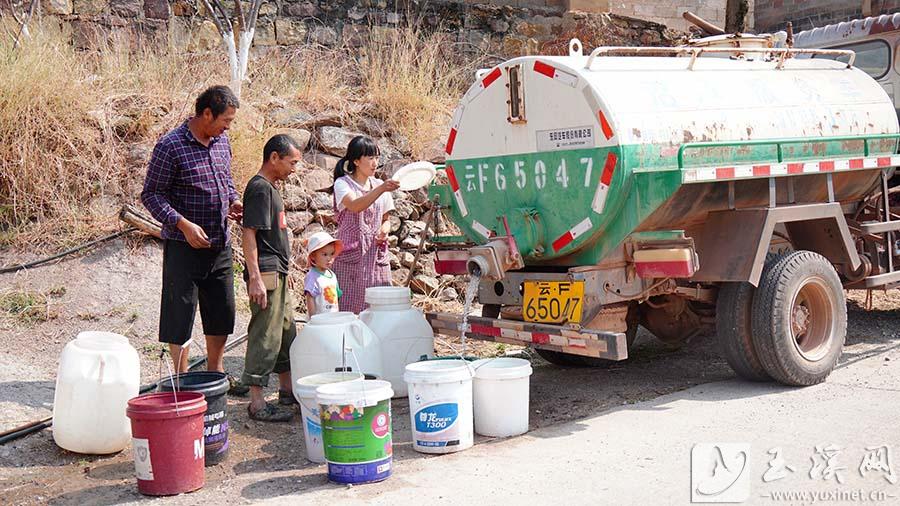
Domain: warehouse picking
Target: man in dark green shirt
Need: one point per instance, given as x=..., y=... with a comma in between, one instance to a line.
x=267, y=253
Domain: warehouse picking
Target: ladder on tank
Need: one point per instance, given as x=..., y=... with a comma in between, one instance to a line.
x=782, y=54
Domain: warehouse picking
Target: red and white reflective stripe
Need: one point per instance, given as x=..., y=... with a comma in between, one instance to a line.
x=451, y=139
x=604, y=125
x=528, y=337
x=457, y=195
x=577, y=343
x=574, y=233
x=578, y=340
x=605, y=179
x=519, y=335
x=554, y=73
x=482, y=85
x=485, y=330
x=540, y=338
x=481, y=229
x=558, y=340
x=787, y=169
x=882, y=161
x=454, y=128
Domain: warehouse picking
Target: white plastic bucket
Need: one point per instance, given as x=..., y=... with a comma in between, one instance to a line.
x=500, y=393
x=440, y=405
x=305, y=393
x=356, y=430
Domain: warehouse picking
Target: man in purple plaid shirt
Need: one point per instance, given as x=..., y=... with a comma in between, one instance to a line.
x=189, y=189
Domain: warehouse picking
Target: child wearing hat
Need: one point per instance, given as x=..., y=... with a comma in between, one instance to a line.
x=321, y=286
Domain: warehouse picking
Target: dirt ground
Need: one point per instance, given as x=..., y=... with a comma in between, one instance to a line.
x=116, y=288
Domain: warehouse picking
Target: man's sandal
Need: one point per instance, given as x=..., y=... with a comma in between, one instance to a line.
x=236, y=388
x=270, y=413
x=286, y=398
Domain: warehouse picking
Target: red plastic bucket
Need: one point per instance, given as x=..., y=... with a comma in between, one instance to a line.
x=167, y=442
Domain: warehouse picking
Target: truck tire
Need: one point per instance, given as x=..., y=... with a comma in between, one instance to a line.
x=734, y=318
x=569, y=360
x=734, y=315
x=799, y=319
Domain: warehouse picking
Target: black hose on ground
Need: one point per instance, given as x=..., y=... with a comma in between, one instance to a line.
x=76, y=249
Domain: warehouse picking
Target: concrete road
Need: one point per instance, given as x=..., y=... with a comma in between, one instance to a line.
x=838, y=442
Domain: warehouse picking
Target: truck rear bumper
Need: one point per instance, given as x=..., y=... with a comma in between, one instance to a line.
x=585, y=342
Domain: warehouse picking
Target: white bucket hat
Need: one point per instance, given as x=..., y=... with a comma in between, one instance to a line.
x=318, y=241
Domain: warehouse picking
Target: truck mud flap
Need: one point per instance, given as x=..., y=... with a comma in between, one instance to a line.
x=586, y=342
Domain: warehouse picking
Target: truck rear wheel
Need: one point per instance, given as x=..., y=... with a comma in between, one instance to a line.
x=799, y=319
x=734, y=327
x=734, y=311
x=569, y=360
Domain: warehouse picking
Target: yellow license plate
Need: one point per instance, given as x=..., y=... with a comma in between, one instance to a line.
x=553, y=301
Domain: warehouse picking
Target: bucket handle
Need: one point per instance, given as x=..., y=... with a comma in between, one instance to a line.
x=356, y=330
x=101, y=365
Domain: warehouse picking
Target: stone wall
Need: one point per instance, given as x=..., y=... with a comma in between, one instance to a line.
x=500, y=27
x=669, y=12
x=773, y=15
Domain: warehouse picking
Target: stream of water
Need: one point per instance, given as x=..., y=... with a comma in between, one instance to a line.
x=471, y=290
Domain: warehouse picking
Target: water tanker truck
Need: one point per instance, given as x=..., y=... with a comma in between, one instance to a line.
x=671, y=188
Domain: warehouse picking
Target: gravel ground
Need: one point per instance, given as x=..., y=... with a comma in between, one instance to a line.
x=116, y=288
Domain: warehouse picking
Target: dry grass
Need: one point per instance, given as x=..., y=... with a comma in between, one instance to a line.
x=68, y=117
x=413, y=83
x=46, y=133
x=314, y=78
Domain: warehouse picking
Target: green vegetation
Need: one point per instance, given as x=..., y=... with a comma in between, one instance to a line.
x=28, y=307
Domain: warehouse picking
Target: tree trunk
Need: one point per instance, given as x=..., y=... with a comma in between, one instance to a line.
x=23, y=24
x=233, y=62
x=238, y=54
x=244, y=42
x=736, y=15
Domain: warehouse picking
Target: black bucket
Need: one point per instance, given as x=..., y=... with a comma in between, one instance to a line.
x=213, y=385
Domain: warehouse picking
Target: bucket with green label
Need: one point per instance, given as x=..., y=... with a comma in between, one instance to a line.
x=305, y=392
x=356, y=430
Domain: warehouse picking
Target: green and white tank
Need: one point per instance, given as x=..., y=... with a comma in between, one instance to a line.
x=577, y=153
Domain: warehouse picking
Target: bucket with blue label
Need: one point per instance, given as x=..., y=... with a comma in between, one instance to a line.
x=440, y=405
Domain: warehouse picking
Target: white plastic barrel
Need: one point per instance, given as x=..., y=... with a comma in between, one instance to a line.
x=405, y=334
x=440, y=405
x=98, y=373
x=318, y=346
x=500, y=396
x=305, y=393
